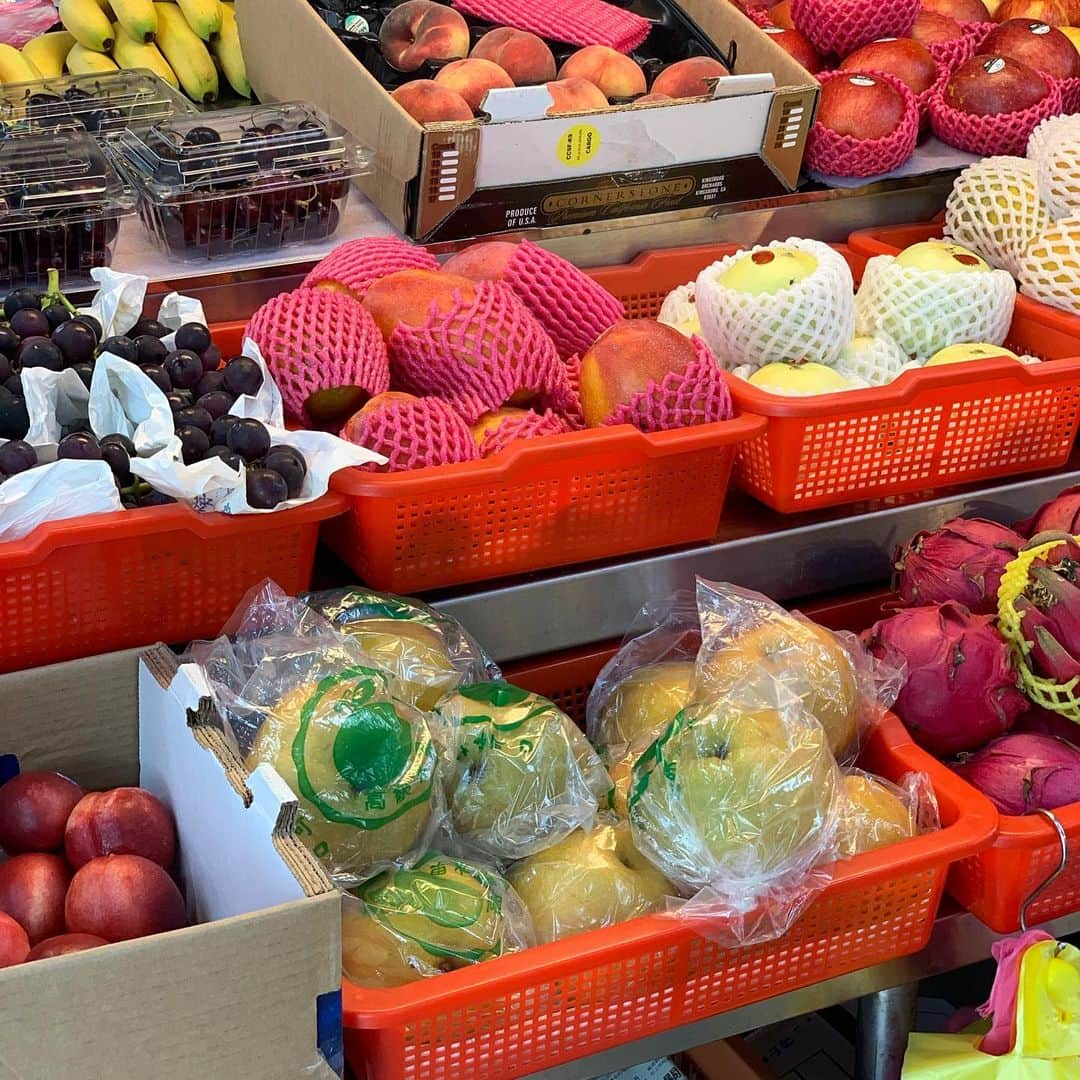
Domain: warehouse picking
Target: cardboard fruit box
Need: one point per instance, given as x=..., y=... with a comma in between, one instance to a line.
x=517, y=168
x=253, y=987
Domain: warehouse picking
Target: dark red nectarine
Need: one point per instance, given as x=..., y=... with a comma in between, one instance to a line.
x=124, y=821
x=988, y=85
x=14, y=944
x=63, y=944
x=32, y=891
x=34, y=808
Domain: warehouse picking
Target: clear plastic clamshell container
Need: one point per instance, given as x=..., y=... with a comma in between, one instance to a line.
x=104, y=104
x=61, y=202
x=259, y=177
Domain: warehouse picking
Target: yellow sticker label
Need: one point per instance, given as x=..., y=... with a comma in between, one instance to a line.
x=578, y=144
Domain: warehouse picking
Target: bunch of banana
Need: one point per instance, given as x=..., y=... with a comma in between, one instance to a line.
x=185, y=42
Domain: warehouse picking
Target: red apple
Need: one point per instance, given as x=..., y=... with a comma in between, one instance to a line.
x=32, y=891
x=931, y=28
x=119, y=897
x=63, y=944
x=909, y=60
x=1054, y=12
x=34, y=808
x=860, y=105
x=989, y=85
x=797, y=46
x=124, y=821
x=1036, y=44
x=14, y=944
x=960, y=10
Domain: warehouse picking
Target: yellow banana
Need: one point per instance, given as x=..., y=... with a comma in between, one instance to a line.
x=203, y=16
x=228, y=54
x=84, y=61
x=88, y=24
x=47, y=52
x=14, y=67
x=129, y=53
x=186, y=54
x=137, y=17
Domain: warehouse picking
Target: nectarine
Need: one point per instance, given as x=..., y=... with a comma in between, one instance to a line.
x=119, y=897
x=613, y=73
x=797, y=46
x=575, y=95
x=473, y=78
x=1036, y=44
x=421, y=30
x=34, y=808
x=482, y=262
x=523, y=56
x=909, y=60
x=689, y=78
x=14, y=944
x=63, y=944
x=124, y=821
x=429, y=103
x=860, y=105
x=32, y=891
x=624, y=360
x=407, y=297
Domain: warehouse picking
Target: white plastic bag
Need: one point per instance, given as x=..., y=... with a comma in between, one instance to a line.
x=53, y=400
x=123, y=401
x=62, y=489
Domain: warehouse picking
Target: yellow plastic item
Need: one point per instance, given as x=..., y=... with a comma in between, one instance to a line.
x=1047, y=1029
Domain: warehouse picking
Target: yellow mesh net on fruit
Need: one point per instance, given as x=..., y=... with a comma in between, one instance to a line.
x=810, y=319
x=1057, y=697
x=924, y=311
x=1054, y=150
x=995, y=210
x=871, y=361
x=1050, y=268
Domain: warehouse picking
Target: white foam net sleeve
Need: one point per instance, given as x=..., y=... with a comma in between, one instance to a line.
x=995, y=210
x=810, y=319
x=679, y=310
x=1050, y=268
x=1054, y=151
x=873, y=360
x=923, y=311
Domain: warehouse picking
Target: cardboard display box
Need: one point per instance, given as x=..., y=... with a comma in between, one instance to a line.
x=519, y=169
x=254, y=989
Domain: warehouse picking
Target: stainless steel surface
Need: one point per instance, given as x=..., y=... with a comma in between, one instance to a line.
x=789, y=557
x=883, y=1022
x=958, y=940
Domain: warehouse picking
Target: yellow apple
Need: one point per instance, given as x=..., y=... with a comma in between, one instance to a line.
x=941, y=255
x=588, y=881
x=976, y=350
x=799, y=377
x=1073, y=34
x=769, y=270
x=872, y=816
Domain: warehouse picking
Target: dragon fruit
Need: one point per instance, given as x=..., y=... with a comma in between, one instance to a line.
x=962, y=687
x=1024, y=773
x=1049, y=610
x=962, y=561
x=1060, y=514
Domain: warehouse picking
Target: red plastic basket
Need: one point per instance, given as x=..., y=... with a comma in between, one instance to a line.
x=994, y=883
x=104, y=582
x=559, y=1002
x=928, y=429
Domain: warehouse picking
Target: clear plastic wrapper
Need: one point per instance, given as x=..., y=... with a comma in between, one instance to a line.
x=588, y=881
x=300, y=696
x=441, y=915
x=875, y=813
x=428, y=653
x=520, y=776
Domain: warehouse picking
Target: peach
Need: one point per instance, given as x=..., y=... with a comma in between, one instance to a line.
x=523, y=56
x=119, y=897
x=421, y=30
x=780, y=15
x=960, y=10
x=575, y=95
x=492, y=421
x=616, y=75
x=34, y=808
x=931, y=27
x=689, y=78
x=124, y=821
x=32, y=891
x=406, y=297
x=1053, y=12
x=429, y=103
x=473, y=78
x=63, y=944
x=482, y=262
x=379, y=401
x=797, y=46
x=14, y=944
x=624, y=360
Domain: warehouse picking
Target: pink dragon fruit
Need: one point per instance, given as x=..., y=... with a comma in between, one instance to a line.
x=1049, y=610
x=962, y=687
x=1040, y=721
x=962, y=561
x=1060, y=514
x=1020, y=774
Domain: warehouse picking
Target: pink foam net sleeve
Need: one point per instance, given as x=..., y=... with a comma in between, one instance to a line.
x=527, y=426
x=839, y=27
x=413, y=433
x=357, y=264
x=582, y=22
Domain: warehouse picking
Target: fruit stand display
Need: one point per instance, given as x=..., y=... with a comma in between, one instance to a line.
x=453, y=626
